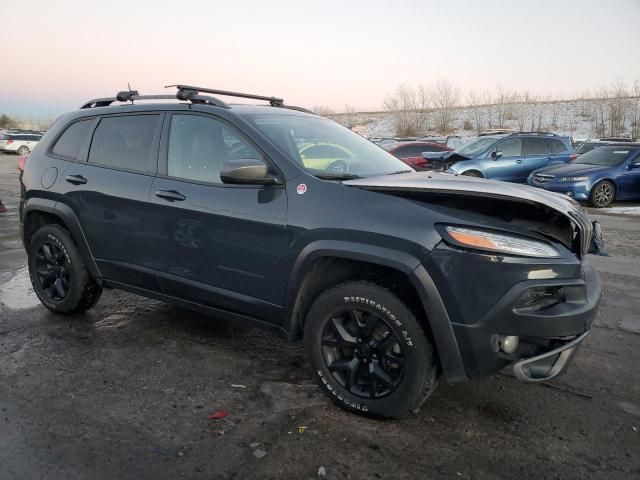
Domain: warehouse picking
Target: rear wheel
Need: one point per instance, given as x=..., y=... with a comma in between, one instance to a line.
x=23, y=150
x=602, y=194
x=368, y=352
x=58, y=272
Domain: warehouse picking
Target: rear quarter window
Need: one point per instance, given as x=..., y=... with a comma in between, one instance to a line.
x=556, y=146
x=70, y=142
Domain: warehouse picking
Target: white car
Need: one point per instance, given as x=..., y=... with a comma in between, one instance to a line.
x=20, y=143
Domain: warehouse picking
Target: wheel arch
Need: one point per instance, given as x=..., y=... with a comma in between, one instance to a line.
x=324, y=264
x=38, y=212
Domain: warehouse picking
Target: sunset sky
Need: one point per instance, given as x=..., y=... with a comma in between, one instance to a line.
x=56, y=54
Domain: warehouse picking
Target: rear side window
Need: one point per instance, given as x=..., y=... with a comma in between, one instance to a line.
x=556, y=146
x=535, y=146
x=70, y=143
x=124, y=142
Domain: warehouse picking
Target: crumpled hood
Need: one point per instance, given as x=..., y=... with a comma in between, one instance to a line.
x=445, y=182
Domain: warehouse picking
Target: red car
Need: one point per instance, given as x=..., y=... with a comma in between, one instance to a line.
x=411, y=152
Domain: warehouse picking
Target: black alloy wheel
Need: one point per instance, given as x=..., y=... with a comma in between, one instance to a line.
x=52, y=270
x=363, y=353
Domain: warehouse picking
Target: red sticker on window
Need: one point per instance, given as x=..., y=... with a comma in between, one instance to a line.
x=302, y=188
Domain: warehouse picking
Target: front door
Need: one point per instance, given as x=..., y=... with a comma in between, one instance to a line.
x=505, y=161
x=629, y=181
x=223, y=245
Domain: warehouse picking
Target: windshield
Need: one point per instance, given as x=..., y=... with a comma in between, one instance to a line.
x=476, y=147
x=605, y=156
x=326, y=149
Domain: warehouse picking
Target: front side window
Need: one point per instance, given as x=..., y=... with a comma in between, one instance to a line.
x=124, y=142
x=510, y=148
x=198, y=146
x=535, y=146
x=337, y=152
x=70, y=143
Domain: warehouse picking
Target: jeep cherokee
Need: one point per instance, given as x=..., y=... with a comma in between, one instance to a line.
x=392, y=277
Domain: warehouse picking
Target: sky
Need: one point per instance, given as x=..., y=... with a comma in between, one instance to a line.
x=57, y=54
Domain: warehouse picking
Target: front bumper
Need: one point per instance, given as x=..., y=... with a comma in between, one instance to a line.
x=484, y=296
x=550, y=364
x=575, y=190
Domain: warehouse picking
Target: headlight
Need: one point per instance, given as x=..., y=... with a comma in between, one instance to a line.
x=574, y=179
x=499, y=242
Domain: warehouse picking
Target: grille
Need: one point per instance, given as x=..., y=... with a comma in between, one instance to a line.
x=585, y=229
x=540, y=178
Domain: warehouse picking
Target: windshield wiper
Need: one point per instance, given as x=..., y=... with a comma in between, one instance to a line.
x=336, y=176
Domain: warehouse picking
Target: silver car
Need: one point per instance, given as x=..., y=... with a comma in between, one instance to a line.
x=20, y=143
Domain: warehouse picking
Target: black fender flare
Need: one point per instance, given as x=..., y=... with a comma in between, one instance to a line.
x=412, y=267
x=71, y=222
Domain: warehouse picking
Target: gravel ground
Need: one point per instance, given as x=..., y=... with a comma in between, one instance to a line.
x=125, y=391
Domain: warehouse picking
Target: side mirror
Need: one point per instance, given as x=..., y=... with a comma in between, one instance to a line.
x=496, y=155
x=635, y=164
x=246, y=171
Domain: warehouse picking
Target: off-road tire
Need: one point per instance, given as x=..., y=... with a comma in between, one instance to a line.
x=83, y=291
x=602, y=194
x=421, y=371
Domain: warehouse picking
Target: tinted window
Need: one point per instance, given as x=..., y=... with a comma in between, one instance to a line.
x=69, y=144
x=510, y=148
x=556, y=146
x=587, y=147
x=409, y=151
x=606, y=156
x=535, y=146
x=198, y=146
x=124, y=142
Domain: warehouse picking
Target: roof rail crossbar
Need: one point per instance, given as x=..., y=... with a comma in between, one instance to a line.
x=194, y=97
x=273, y=101
x=124, y=97
x=535, y=133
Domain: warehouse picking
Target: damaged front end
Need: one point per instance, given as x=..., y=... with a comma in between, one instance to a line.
x=529, y=311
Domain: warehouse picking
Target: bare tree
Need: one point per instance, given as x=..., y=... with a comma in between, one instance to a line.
x=445, y=96
x=322, y=110
x=475, y=102
x=634, y=111
x=402, y=104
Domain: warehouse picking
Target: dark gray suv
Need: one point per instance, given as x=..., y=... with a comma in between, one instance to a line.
x=392, y=277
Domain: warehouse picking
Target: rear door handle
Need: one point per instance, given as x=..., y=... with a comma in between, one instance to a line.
x=75, y=179
x=170, y=195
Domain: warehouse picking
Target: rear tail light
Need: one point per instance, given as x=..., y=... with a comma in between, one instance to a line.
x=9, y=142
x=21, y=162
x=573, y=157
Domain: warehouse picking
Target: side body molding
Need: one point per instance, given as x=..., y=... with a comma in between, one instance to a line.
x=441, y=328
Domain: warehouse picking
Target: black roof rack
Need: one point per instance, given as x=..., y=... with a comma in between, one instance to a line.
x=188, y=93
x=187, y=89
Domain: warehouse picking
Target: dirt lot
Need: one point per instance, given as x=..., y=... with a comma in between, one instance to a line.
x=125, y=391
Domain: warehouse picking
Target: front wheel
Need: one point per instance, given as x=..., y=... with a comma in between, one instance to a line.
x=602, y=194
x=368, y=351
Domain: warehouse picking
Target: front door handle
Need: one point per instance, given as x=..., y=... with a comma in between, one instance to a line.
x=75, y=179
x=518, y=161
x=170, y=195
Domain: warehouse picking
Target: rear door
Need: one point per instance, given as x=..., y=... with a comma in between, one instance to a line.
x=536, y=155
x=108, y=189
x=222, y=245
x=508, y=166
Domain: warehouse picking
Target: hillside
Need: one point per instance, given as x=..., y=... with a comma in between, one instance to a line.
x=581, y=119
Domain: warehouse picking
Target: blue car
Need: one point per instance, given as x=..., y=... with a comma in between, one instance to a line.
x=509, y=157
x=599, y=176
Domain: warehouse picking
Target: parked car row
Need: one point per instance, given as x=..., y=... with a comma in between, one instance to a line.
x=598, y=172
